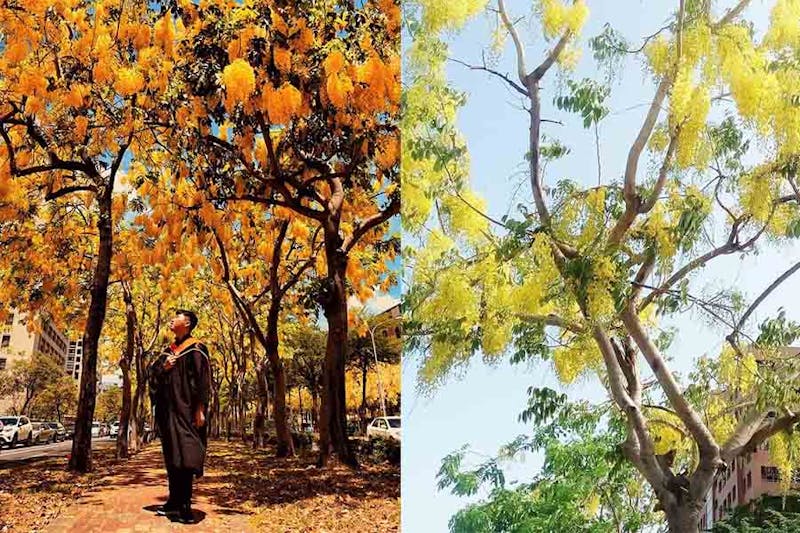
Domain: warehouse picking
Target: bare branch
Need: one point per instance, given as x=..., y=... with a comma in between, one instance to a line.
x=629, y=188
x=522, y=70
x=517, y=87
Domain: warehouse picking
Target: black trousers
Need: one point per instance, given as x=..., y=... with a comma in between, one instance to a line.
x=180, y=486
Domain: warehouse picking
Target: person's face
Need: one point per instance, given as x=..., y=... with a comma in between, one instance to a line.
x=179, y=324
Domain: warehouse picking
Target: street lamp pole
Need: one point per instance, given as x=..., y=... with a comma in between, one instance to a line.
x=375, y=354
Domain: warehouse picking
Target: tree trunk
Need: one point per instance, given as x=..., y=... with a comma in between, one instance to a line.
x=241, y=408
x=362, y=412
x=81, y=455
x=125, y=366
x=333, y=419
x=260, y=420
x=284, y=435
x=137, y=409
x=684, y=519
x=314, y=408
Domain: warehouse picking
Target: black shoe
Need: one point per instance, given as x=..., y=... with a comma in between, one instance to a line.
x=167, y=508
x=185, y=514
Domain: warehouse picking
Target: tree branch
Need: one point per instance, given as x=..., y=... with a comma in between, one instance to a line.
x=522, y=70
x=629, y=188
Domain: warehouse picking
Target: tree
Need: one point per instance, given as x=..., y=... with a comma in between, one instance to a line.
x=109, y=404
x=362, y=358
x=81, y=90
x=770, y=514
x=59, y=398
x=30, y=379
x=593, y=266
x=585, y=484
x=308, y=363
x=314, y=138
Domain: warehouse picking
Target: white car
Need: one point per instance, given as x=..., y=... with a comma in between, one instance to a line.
x=16, y=429
x=385, y=427
x=113, y=429
x=96, y=429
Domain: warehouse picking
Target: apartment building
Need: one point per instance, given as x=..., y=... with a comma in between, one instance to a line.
x=18, y=344
x=74, y=359
x=747, y=479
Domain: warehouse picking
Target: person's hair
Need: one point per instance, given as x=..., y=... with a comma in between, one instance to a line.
x=190, y=315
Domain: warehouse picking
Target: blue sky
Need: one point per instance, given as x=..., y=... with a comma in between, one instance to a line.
x=481, y=408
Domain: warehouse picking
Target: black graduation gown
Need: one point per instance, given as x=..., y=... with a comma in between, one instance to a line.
x=175, y=394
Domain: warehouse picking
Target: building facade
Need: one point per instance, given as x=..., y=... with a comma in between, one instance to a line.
x=18, y=344
x=389, y=323
x=748, y=478
x=74, y=359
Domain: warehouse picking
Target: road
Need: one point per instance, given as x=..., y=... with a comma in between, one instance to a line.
x=24, y=454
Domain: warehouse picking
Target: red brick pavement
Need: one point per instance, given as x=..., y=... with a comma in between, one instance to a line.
x=125, y=501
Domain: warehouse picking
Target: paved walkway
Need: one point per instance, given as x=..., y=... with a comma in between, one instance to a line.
x=125, y=501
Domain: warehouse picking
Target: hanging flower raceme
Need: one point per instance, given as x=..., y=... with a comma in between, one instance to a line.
x=129, y=81
x=240, y=82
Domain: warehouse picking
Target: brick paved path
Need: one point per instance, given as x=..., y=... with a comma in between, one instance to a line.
x=125, y=501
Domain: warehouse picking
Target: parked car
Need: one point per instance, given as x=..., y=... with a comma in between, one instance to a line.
x=61, y=431
x=96, y=429
x=113, y=429
x=386, y=427
x=43, y=433
x=16, y=429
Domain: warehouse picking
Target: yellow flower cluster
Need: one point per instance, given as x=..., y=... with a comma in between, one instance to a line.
x=129, y=82
x=658, y=227
x=722, y=423
x=783, y=451
x=757, y=195
x=595, y=217
x=754, y=87
x=599, y=301
x=689, y=107
x=737, y=372
x=240, y=82
x=569, y=57
x=282, y=103
x=528, y=297
x=464, y=217
x=282, y=58
x=664, y=430
x=164, y=33
x=558, y=18
x=659, y=54
x=784, y=28
x=579, y=355
x=338, y=86
x=445, y=14
x=498, y=295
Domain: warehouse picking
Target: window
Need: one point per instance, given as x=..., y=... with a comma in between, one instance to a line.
x=770, y=473
x=386, y=333
x=5, y=341
x=733, y=497
x=749, y=479
x=397, y=332
x=2, y=364
x=10, y=319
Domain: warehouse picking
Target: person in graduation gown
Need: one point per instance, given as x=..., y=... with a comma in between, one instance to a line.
x=179, y=380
